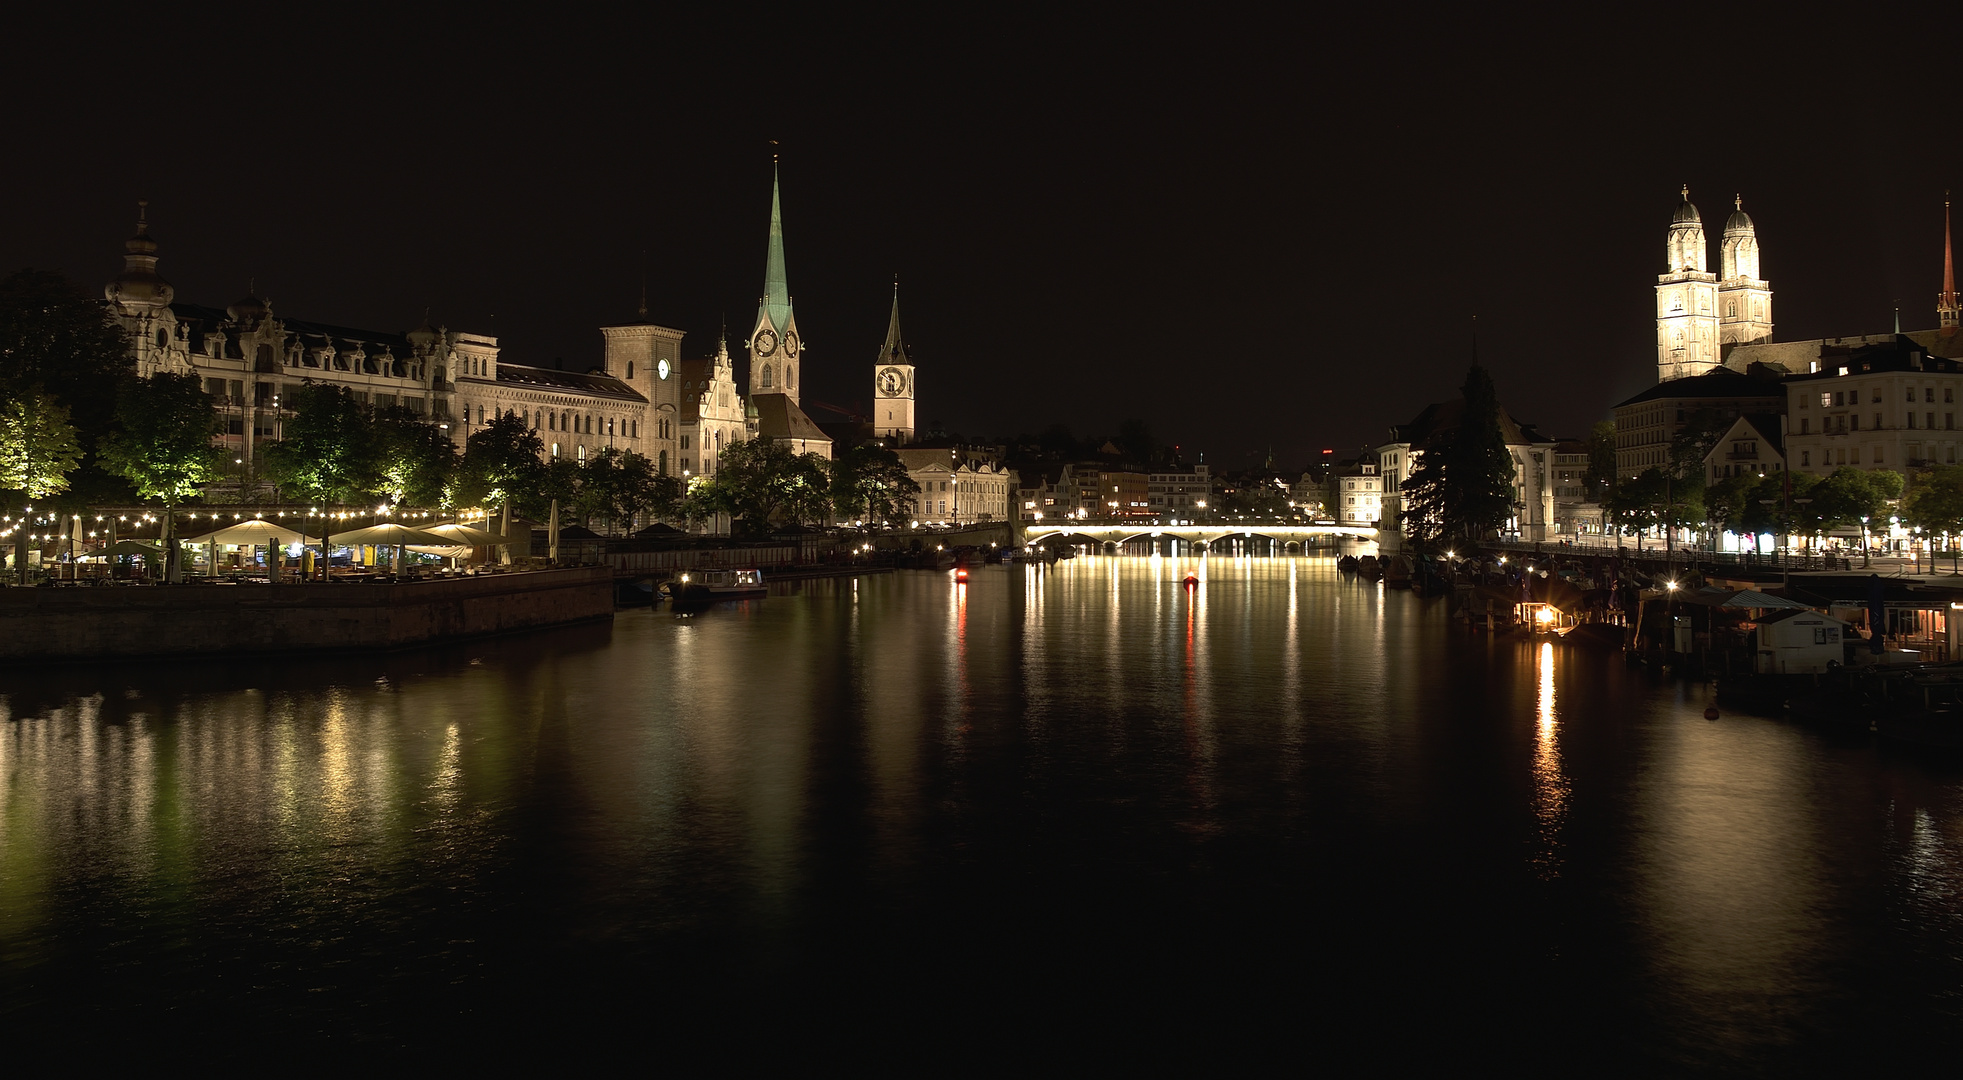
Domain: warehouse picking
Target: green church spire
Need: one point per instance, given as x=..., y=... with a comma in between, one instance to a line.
x=776, y=304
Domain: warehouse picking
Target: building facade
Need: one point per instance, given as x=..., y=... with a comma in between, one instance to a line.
x=1885, y=406
x=1701, y=316
x=892, y=385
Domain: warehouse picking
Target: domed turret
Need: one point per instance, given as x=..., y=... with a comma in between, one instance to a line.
x=1740, y=254
x=1685, y=248
x=138, y=286
x=248, y=309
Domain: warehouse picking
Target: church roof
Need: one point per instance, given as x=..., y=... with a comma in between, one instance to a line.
x=778, y=417
x=593, y=384
x=1687, y=211
x=1716, y=383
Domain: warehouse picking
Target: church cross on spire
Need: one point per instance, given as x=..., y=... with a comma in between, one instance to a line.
x=1947, y=309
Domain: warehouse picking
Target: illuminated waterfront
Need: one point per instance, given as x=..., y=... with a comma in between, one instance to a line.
x=1077, y=805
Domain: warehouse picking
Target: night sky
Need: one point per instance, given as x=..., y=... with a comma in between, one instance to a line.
x=1251, y=234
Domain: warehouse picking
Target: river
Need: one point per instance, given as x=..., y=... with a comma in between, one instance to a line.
x=1078, y=816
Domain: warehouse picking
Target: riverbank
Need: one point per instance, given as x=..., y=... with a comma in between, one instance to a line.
x=88, y=624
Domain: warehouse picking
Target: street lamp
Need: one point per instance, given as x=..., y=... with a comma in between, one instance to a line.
x=1864, y=542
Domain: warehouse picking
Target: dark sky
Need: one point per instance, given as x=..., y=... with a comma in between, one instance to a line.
x=1249, y=233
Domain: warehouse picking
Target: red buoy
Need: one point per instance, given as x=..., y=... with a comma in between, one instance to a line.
x=1192, y=581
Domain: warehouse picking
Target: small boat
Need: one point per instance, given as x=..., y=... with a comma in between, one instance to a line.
x=1368, y=566
x=1347, y=564
x=709, y=586
x=1397, y=572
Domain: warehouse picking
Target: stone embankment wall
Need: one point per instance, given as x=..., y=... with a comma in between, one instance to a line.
x=206, y=620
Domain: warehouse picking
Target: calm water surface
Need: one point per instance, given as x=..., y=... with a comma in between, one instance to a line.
x=1058, y=817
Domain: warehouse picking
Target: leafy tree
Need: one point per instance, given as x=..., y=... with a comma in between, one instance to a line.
x=418, y=462
x=59, y=343
x=1936, y=503
x=761, y=482
x=1846, y=496
x=502, y=461
x=37, y=444
x=55, y=336
x=331, y=452
x=162, y=443
x=1461, y=486
x=871, y=482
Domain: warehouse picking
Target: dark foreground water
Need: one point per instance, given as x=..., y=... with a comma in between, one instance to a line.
x=1069, y=818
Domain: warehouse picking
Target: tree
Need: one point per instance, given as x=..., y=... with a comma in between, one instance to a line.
x=761, y=482
x=58, y=344
x=162, y=442
x=331, y=452
x=502, y=462
x=418, y=462
x=37, y=444
x=871, y=483
x=1462, y=484
x=1848, y=495
x=1936, y=503
x=57, y=337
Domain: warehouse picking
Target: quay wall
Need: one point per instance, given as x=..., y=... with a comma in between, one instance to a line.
x=208, y=620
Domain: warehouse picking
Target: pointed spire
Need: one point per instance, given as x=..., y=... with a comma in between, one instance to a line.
x=895, y=350
x=1948, y=310
x=776, y=304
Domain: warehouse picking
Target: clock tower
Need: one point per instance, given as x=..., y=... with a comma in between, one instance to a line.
x=892, y=384
x=776, y=351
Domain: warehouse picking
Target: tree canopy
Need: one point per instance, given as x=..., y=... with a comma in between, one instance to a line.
x=762, y=483
x=1461, y=486
x=162, y=442
x=870, y=482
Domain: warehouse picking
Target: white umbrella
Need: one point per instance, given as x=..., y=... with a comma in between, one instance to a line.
x=258, y=532
x=388, y=534
x=465, y=535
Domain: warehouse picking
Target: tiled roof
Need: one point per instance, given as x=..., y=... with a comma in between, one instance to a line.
x=1718, y=383
x=778, y=417
x=593, y=384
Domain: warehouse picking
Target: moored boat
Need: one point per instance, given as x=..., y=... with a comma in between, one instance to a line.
x=709, y=586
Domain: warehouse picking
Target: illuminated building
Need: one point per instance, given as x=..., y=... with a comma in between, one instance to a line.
x=776, y=353
x=892, y=384
x=1701, y=316
x=955, y=489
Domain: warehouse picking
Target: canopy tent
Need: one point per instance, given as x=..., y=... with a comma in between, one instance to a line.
x=389, y=534
x=466, y=535
x=126, y=547
x=257, y=532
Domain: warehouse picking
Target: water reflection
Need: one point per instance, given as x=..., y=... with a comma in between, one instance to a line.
x=1083, y=780
x=1550, y=783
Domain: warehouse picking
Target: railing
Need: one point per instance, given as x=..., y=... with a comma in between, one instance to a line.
x=1688, y=556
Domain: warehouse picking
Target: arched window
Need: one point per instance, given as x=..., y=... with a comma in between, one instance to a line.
x=630, y=370
x=163, y=339
x=766, y=375
x=663, y=467
x=555, y=450
x=790, y=376
x=582, y=453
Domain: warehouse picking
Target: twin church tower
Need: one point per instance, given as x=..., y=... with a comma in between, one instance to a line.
x=1701, y=315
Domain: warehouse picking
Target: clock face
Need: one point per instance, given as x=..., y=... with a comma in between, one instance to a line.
x=892, y=381
x=766, y=342
x=661, y=367
x=790, y=344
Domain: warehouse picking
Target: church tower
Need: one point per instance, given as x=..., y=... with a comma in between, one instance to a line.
x=892, y=383
x=1946, y=306
x=1744, y=299
x=1686, y=300
x=775, y=348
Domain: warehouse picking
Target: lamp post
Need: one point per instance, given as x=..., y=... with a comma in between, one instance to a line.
x=1864, y=542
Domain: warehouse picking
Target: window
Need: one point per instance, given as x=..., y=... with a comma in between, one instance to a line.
x=1876, y=392
x=1911, y=421
x=1826, y=400
x=1877, y=455
x=1803, y=423
x=1805, y=457
x=630, y=370
x=1949, y=394
x=1911, y=394
x=555, y=450
x=1854, y=421
x=1928, y=395
x=766, y=375
x=582, y=453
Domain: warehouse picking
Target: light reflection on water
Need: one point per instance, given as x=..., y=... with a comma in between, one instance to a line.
x=1082, y=782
